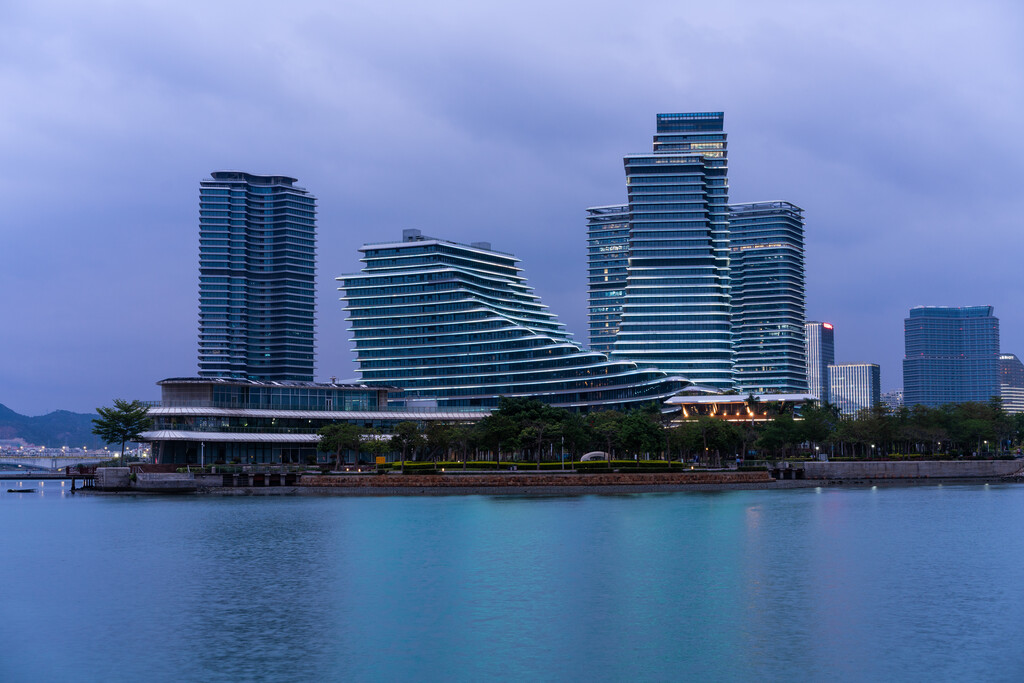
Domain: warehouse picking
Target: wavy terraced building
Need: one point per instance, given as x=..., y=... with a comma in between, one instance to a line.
x=458, y=323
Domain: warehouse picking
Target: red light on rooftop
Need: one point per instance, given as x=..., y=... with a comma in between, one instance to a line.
x=827, y=326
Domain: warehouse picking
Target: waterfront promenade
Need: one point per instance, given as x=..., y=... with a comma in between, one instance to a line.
x=254, y=481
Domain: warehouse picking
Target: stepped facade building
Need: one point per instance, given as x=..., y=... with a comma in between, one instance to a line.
x=459, y=324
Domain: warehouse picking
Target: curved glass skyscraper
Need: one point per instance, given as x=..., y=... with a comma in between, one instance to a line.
x=459, y=323
x=257, y=277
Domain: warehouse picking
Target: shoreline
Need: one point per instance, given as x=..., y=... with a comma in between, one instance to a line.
x=425, y=489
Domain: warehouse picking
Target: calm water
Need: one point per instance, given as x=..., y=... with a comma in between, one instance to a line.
x=915, y=583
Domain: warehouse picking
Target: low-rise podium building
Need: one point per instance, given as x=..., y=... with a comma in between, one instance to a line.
x=227, y=420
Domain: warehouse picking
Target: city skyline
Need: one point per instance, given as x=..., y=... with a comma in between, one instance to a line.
x=442, y=130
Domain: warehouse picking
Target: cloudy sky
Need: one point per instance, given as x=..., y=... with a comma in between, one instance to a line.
x=895, y=125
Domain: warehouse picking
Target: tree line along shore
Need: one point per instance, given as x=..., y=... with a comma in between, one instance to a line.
x=527, y=430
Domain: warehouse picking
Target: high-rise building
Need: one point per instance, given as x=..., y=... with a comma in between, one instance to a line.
x=675, y=311
x=952, y=355
x=607, y=261
x=1011, y=383
x=821, y=353
x=854, y=386
x=459, y=324
x=768, y=305
x=257, y=277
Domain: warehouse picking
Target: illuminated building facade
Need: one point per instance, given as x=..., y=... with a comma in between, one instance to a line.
x=853, y=387
x=1011, y=383
x=821, y=353
x=737, y=408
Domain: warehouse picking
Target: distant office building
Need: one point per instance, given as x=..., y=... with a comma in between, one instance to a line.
x=854, y=386
x=821, y=353
x=257, y=277
x=768, y=302
x=893, y=400
x=952, y=355
x=675, y=312
x=459, y=324
x=1011, y=383
x=607, y=261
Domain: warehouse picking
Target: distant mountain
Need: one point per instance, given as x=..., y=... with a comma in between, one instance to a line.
x=59, y=428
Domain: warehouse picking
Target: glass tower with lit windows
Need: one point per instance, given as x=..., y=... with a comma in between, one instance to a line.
x=257, y=277
x=766, y=242
x=607, y=261
x=459, y=324
x=852, y=387
x=674, y=310
x=1011, y=383
x=821, y=352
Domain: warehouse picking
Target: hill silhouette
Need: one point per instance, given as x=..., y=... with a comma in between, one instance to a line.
x=59, y=428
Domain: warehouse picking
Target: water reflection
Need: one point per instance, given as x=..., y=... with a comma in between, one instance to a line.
x=891, y=583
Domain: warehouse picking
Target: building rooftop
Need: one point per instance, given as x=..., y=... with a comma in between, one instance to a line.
x=239, y=381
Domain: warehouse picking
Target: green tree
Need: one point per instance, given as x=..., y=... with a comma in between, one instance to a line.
x=641, y=432
x=495, y=432
x=377, y=446
x=575, y=434
x=607, y=426
x=819, y=422
x=338, y=437
x=406, y=437
x=779, y=434
x=439, y=438
x=123, y=422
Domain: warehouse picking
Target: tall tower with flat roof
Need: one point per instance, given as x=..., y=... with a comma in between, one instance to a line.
x=257, y=277
x=820, y=351
x=951, y=355
x=766, y=241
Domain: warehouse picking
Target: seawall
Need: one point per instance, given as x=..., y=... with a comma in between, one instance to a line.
x=525, y=480
x=925, y=469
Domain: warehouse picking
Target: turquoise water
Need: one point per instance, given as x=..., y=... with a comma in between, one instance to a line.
x=912, y=583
